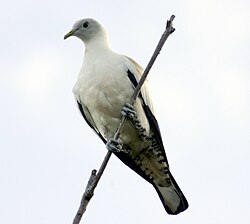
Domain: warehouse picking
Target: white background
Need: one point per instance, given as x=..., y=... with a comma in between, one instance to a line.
x=200, y=84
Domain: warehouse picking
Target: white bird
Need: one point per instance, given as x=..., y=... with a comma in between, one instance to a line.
x=105, y=84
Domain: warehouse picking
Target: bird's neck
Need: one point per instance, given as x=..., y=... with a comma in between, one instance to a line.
x=96, y=45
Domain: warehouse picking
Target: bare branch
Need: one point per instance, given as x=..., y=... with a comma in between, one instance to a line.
x=94, y=178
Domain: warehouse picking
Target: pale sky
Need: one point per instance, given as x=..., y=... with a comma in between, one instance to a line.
x=200, y=85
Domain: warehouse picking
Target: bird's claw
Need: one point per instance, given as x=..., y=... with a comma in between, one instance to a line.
x=114, y=145
x=128, y=110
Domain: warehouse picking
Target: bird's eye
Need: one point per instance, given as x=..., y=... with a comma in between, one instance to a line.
x=86, y=24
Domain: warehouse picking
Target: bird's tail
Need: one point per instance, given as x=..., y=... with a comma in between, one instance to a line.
x=171, y=196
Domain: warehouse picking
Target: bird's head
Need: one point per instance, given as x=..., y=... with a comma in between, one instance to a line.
x=87, y=29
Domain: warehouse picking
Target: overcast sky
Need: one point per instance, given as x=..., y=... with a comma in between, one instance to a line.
x=200, y=85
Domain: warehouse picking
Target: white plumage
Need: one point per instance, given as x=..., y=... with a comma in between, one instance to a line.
x=105, y=83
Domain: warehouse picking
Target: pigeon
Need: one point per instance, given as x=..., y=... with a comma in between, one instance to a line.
x=103, y=90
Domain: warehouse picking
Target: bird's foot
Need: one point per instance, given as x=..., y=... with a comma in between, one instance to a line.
x=128, y=110
x=114, y=145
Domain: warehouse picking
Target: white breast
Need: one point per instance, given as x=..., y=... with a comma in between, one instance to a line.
x=103, y=87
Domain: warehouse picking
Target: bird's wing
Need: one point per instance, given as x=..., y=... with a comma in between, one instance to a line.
x=88, y=118
x=169, y=192
x=137, y=73
x=146, y=102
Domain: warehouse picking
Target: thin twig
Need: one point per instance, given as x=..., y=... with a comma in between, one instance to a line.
x=94, y=178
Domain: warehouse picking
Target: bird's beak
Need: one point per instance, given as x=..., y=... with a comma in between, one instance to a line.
x=70, y=33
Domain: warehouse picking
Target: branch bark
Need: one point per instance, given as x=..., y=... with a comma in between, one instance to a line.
x=95, y=177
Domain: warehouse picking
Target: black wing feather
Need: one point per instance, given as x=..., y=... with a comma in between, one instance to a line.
x=90, y=125
x=151, y=118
